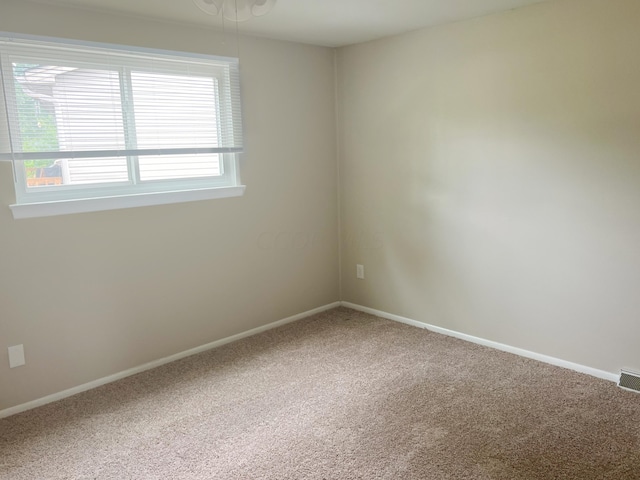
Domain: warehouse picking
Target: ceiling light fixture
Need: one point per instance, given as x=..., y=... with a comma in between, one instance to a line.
x=236, y=10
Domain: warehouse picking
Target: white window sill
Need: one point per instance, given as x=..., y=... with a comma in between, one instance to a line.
x=65, y=207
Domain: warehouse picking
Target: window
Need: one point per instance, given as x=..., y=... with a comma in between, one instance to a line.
x=92, y=126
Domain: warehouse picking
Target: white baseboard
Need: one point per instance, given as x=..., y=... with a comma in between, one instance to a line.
x=488, y=343
x=156, y=363
x=218, y=343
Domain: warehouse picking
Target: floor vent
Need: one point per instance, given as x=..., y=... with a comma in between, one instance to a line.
x=630, y=381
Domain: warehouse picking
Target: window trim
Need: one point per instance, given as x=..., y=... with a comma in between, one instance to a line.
x=49, y=201
x=98, y=204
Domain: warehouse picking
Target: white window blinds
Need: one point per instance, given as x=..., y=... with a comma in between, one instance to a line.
x=112, y=105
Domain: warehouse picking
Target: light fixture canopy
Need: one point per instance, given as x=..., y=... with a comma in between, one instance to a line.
x=262, y=7
x=236, y=10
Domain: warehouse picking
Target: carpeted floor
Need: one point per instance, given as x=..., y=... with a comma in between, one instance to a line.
x=341, y=395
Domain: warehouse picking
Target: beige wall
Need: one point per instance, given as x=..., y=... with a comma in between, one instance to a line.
x=94, y=294
x=490, y=178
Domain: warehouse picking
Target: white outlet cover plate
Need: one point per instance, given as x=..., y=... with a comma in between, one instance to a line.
x=360, y=271
x=16, y=356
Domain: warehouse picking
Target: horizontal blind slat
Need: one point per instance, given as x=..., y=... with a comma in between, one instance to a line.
x=97, y=154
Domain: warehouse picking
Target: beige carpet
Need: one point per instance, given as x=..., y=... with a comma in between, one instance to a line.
x=342, y=395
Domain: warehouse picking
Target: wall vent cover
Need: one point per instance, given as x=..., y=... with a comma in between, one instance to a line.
x=630, y=380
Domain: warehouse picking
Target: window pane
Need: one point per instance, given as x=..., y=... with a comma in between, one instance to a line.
x=175, y=111
x=36, y=112
x=48, y=173
x=89, y=110
x=43, y=173
x=99, y=170
x=67, y=109
x=179, y=166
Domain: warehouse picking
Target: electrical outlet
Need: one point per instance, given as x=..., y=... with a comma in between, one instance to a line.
x=16, y=356
x=360, y=271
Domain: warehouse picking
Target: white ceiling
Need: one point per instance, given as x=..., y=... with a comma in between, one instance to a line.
x=322, y=22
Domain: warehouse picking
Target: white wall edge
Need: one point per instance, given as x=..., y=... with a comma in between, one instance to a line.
x=157, y=363
x=488, y=343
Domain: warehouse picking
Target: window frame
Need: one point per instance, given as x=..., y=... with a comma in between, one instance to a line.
x=54, y=200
